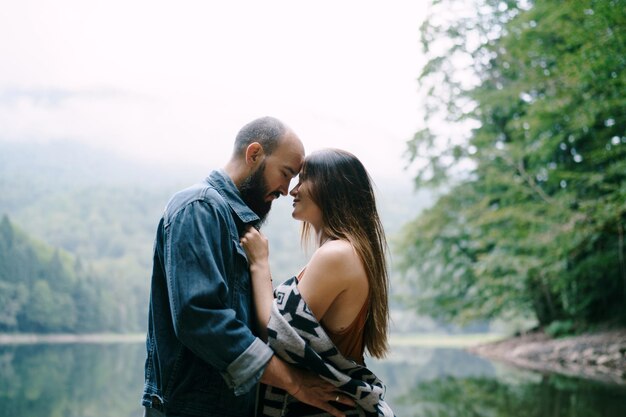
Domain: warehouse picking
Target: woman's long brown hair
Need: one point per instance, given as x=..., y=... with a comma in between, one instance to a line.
x=342, y=188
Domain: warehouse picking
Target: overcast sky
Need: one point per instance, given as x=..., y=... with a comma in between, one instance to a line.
x=175, y=80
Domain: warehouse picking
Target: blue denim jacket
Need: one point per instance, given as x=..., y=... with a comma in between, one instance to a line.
x=203, y=359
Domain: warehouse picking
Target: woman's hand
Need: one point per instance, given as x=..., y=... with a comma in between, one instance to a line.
x=256, y=246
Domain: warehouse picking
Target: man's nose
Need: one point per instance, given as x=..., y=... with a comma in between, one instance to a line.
x=284, y=188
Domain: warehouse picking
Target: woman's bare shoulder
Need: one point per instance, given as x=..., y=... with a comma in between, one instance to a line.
x=338, y=258
x=334, y=269
x=335, y=250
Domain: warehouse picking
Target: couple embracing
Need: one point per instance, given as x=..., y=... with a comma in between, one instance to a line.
x=222, y=341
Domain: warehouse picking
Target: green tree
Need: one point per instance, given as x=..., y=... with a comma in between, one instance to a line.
x=532, y=219
x=48, y=310
x=12, y=300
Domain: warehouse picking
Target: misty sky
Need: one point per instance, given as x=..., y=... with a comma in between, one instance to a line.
x=174, y=80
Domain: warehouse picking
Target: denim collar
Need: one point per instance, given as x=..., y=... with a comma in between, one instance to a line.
x=227, y=189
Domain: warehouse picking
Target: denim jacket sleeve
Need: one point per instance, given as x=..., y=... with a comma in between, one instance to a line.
x=198, y=250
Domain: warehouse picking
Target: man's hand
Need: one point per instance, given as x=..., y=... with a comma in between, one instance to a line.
x=319, y=393
x=305, y=386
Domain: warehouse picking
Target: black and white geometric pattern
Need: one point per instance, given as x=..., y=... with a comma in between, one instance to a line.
x=297, y=337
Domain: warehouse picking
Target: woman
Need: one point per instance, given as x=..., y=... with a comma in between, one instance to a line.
x=345, y=283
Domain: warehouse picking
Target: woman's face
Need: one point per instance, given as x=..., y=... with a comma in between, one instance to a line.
x=304, y=208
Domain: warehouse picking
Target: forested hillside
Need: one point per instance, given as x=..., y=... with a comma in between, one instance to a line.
x=533, y=221
x=99, y=212
x=43, y=289
x=93, y=206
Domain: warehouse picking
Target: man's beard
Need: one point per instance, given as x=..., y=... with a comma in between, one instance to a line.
x=254, y=191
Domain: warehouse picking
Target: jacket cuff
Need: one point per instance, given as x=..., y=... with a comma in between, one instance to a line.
x=246, y=371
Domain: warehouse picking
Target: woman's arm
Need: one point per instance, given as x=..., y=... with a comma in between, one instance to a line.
x=257, y=249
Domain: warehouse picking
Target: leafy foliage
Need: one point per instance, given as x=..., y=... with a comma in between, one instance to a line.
x=533, y=218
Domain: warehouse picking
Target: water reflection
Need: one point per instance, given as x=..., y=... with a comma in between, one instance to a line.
x=85, y=380
x=453, y=383
x=71, y=380
x=410, y=367
x=551, y=397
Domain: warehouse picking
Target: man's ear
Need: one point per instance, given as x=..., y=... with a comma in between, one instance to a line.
x=254, y=154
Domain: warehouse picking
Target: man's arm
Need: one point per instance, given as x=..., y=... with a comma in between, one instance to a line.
x=197, y=239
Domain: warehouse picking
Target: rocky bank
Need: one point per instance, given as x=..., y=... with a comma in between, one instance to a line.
x=599, y=356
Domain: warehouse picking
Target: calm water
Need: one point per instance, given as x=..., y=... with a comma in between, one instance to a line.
x=83, y=380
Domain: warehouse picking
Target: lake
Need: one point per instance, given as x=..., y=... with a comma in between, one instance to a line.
x=105, y=380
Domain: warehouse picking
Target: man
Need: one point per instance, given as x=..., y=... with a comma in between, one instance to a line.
x=202, y=356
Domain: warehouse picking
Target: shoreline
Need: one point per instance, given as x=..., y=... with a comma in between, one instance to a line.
x=420, y=340
x=599, y=356
x=434, y=340
x=65, y=338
